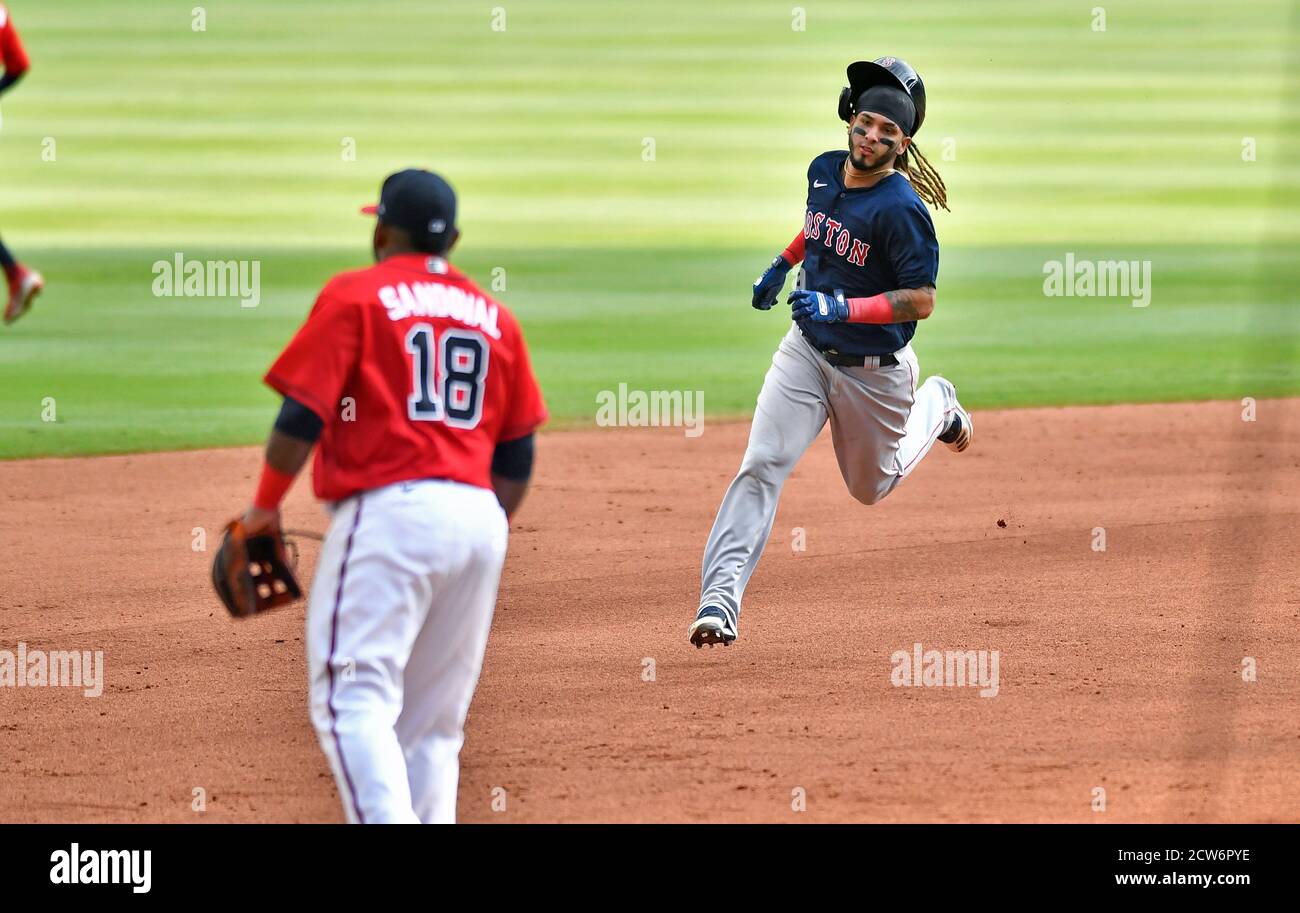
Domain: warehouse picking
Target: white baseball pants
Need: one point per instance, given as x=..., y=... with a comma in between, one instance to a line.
x=396, y=627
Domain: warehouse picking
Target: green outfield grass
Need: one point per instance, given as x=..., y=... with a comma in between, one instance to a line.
x=1121, y=144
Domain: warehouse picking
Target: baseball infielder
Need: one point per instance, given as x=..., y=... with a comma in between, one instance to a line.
x=870, y=260
x=24, y=284
x=418, y=388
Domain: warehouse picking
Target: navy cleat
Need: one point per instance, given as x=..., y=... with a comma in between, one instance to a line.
x=713, y=625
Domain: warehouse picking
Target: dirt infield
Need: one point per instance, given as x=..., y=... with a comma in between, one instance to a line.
x=1119, y=669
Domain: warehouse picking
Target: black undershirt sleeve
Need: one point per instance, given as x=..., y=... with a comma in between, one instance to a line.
x=513, y=460
x=297, y=421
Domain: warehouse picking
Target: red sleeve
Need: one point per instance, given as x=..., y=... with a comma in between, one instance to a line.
x=525, y=410
x=320, y=358
x=794, y=253
x=11, y=49
x=875, y=309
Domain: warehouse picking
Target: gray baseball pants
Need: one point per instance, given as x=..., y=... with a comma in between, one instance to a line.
x=882, y=424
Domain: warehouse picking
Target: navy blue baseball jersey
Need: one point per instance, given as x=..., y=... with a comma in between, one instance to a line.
x=864, y=240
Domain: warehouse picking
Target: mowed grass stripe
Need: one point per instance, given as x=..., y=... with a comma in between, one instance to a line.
x=1122, y=144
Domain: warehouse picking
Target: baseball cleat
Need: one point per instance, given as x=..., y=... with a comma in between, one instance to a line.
x=957, y=436
x=22, y=289
x=713, y=625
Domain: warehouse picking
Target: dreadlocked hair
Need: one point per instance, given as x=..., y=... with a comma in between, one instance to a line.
x=925, y=180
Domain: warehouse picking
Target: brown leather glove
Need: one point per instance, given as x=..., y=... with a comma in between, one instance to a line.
x=251, y=573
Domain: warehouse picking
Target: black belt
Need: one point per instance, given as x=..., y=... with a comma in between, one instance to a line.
x=840, y=360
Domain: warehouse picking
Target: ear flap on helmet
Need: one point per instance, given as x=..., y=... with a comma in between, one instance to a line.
x=846, y=105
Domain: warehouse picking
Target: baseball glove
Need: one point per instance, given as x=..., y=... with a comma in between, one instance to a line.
x=251, y=573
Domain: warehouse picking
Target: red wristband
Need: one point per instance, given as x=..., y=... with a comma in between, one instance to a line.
x=271, y=488
x=794, y=253
x=875, y=309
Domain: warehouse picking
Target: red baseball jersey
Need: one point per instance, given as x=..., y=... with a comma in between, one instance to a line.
x=416, y=373
x=13, y=59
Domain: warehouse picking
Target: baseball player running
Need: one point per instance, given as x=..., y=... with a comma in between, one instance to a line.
x=24, y=284
x=416, y=387
x=870, y=260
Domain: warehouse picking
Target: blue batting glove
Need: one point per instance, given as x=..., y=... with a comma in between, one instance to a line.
x=818, y=306
x=769, y=285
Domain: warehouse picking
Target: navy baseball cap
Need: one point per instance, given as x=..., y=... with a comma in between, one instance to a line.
x=419, y=202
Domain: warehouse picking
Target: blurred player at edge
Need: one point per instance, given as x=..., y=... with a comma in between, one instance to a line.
x=24, y=284
x=417, y=389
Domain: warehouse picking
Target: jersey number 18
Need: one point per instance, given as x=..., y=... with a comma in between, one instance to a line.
x=448, y=388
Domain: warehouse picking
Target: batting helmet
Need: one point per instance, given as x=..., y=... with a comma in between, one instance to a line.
x=883, y=71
